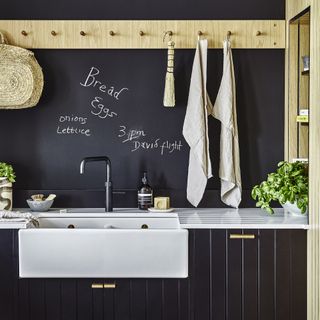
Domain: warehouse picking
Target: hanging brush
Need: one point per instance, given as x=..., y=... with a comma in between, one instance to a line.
x=169, y=95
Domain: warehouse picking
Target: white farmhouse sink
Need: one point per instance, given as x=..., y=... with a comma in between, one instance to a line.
x=82, y=244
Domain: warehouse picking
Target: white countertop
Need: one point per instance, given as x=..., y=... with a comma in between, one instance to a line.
x=209, y=218
x=245, y=218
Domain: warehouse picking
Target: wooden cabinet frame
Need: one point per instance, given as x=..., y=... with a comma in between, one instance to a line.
x=294, y=8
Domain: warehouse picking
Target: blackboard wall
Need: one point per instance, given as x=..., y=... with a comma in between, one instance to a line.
x=47, y=161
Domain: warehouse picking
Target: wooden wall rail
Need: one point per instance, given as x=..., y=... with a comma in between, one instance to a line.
x=142, y=34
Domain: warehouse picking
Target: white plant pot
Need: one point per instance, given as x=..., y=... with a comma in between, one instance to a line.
x=293, y=209
x=5, y=194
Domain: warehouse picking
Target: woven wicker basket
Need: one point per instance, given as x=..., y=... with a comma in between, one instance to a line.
x=21, y=77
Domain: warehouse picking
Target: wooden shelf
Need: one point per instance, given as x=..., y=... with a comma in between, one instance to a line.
x=305, y=72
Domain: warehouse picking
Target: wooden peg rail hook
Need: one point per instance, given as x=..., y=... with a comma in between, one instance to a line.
x=167, y=33
x=144, y=34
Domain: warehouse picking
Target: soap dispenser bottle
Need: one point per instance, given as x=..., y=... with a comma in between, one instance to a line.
x=145, y=194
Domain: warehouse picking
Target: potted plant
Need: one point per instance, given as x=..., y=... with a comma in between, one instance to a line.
x=7, y=177
x=288, y=185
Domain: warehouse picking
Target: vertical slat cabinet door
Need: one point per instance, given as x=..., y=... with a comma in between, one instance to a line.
x=85, y=298
x=283, y=274
x=95, y=299
x=37, y=299
x=266, y=269
x=299, y=274
x=200, y=273
x=291, y=274
x=123, y=299
x=97, y=294
x=22, y=304
x=219, y=239
x=53, y=299
x=170, y=299
x=69, y=289
x=250, y=275
x=154, y=289
x=234, y=276
x=138, y=299
x=108, y=295
x=183, y=299
x=7, y=269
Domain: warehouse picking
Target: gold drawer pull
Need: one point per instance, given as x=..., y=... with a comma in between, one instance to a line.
x=103, y=285
x=242, y=236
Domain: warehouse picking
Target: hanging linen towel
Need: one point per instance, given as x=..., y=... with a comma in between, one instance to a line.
x=225, y=111
x=195, y=127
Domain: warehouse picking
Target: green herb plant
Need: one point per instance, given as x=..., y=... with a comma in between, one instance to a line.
x=6, y=171
x=288, y=184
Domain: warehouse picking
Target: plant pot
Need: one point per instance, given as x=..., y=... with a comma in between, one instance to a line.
x=5, y=194
x=293, y=209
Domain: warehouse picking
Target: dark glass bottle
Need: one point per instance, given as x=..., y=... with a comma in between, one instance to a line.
x=145, y=194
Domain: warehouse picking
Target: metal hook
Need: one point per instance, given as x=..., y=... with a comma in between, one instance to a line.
x=229, y=34
x=200, y=33
x=167, y=33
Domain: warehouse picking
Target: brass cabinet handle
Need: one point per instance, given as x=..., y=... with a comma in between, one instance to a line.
x=242, y=236
x=103, y=285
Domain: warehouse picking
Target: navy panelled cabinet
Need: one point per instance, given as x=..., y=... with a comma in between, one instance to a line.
x=229, y=279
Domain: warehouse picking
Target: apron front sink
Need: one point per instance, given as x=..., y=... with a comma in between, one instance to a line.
x=99, y=245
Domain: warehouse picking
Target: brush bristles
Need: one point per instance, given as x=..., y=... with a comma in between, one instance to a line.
x=169, y=93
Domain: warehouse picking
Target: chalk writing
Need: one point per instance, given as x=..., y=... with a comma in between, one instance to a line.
x=163, y=146
x=170, y=146
x=73, y=130
x=100, y=110
x=65, y=128
x=73, y=118
x=136, y=138
x=131, y=134
x=91, y=81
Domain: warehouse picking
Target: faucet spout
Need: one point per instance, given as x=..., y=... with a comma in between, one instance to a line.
x=108, y=183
